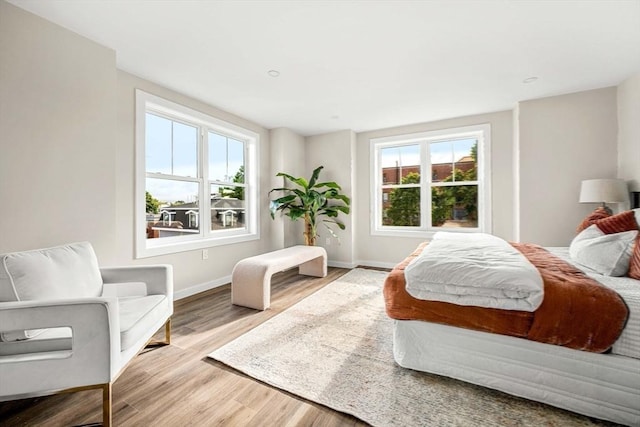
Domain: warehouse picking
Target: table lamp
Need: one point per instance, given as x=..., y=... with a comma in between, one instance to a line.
x=604, y=191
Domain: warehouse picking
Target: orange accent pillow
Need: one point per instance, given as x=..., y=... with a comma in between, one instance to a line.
x=624, y=221
x=599, y=213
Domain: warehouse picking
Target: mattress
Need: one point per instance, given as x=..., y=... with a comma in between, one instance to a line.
x=605, y=386
x=628, y=344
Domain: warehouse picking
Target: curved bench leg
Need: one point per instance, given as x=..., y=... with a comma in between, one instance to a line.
x=251, y=288
x=316, y=267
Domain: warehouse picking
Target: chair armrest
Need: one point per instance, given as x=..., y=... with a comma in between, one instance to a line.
x=95, y=326
x=158, y=278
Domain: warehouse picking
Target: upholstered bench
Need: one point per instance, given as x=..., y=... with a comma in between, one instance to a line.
x=251, y=277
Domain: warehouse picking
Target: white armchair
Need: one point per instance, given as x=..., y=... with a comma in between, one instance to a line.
x=67, y=325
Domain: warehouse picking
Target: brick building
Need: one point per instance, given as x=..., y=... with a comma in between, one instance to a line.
x=439, y=172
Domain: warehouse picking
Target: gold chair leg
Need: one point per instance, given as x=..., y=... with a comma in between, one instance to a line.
x=106, y=405
x=167, y=332
x=167, y=336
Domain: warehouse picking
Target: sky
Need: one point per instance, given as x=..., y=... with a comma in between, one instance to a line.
x=172, y=148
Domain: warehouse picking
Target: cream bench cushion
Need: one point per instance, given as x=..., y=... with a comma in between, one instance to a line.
x=251, y=277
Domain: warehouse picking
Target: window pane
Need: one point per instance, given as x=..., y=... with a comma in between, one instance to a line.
x=455, y=206
x=401, y=207
x=157, y=144
x=465, y=160
x=172, y=208
x=217, y=157
x=226, y=159
x=454, y=160
x=400, y=164
x=170, y=147
x=236, y=161
x=228, y=207
x=441, y=161
x=185, y=150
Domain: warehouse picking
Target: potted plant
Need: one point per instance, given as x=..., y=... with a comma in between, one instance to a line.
x=310, y=200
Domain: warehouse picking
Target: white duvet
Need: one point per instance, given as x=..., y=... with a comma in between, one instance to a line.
x=474, y=269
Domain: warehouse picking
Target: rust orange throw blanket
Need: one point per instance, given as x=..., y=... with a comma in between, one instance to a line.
x=577, y=311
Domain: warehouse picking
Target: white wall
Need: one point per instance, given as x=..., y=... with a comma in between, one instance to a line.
x=386, y=251
x=57, y=132
x=288, y=156
x=563, y=140
x=335, y=151
x=67, y=144
x=191, y=272
x=629, y=131
x=299, y=156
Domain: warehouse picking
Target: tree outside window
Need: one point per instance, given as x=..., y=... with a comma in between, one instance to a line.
x=404, y=203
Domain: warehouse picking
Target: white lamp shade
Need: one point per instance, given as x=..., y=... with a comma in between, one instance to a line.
x=604, y=191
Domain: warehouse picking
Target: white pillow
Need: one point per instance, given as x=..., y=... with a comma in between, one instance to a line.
x=607, y=254
x=68, y=271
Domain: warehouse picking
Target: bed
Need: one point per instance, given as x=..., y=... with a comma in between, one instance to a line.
x=603, y=383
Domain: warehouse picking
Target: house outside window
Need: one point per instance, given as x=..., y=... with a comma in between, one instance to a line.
x=432, y=181
x=196, y=179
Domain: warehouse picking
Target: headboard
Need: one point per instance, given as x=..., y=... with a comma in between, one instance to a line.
x=635, y=199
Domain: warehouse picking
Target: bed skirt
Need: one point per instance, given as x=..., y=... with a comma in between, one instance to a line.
x=605, y=386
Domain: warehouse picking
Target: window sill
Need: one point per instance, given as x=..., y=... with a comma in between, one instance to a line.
x=174, y=248
x=419, y=234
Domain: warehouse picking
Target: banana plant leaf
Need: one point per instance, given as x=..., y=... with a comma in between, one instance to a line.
x=309, y=200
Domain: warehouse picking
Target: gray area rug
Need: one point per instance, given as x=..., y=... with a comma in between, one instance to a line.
x=335, y=348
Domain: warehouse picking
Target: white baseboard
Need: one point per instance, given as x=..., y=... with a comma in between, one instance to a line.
x=377, y=264
x=340, y=264
x=192, y=290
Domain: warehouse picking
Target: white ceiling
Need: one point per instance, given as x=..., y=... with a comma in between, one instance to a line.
x=361, y=65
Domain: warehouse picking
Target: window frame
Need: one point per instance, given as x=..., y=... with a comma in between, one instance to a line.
x=205, y=237
x=481, y=132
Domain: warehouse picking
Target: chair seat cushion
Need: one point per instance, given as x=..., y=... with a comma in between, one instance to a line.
x=138, y=315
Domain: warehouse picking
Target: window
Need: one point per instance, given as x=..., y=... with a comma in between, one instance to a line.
x=196, y=179
x=431, y=181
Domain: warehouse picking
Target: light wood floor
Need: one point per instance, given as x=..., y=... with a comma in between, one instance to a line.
x=178, y=385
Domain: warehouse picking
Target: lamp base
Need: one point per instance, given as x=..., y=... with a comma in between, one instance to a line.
x=606, y=208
